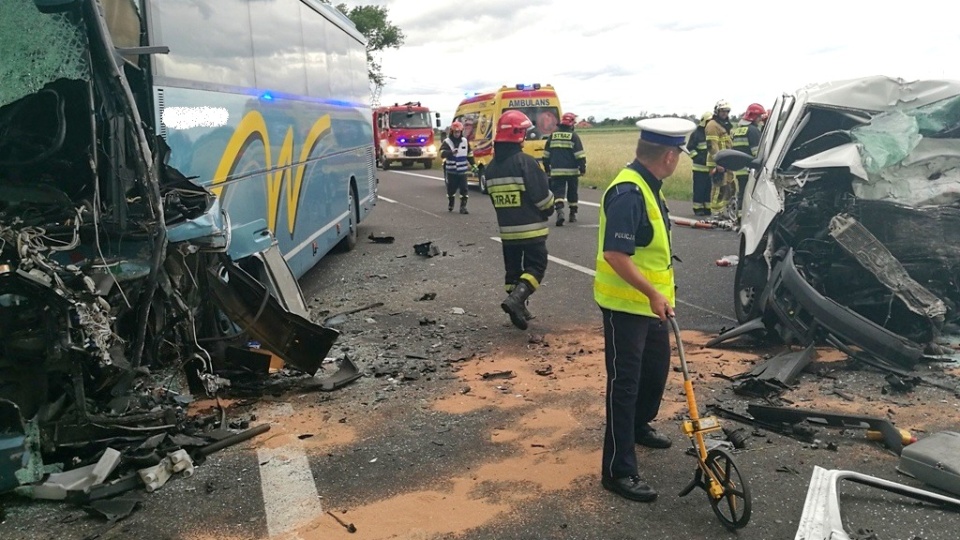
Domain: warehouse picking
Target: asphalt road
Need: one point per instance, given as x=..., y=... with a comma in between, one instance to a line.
x=257, y=493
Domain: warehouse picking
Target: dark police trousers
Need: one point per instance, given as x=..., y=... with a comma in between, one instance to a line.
x=525, y=260
x=457, y=182
x=637, y=351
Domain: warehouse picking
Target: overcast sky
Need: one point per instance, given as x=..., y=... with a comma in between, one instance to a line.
x=616, y=58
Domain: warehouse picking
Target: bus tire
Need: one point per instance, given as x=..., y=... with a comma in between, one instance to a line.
x=348, y=242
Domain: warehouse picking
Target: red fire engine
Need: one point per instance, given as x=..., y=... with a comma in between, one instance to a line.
x=404, y=134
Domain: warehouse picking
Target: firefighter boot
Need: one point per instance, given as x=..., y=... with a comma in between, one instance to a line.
x=463, y=205
x=573, y=214
x=559, y=216
x=514, y=304
x=450, y=203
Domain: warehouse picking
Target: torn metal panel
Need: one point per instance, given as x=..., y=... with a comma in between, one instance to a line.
x=856, y=240
x=298, y=341
x=822, y=518
x=934, y=460
x=802, y=311
x=776, y=374
x=892, y=437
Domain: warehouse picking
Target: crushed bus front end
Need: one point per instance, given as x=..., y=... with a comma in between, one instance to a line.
x=109, y=256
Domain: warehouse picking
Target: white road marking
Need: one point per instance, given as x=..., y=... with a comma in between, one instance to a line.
x=420, y=175
x=290, y=495
x=591, y=273
x=382, y=198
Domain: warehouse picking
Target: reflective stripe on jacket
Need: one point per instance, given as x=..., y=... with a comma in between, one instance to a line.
x=653, y=261
x=563, y=155
x=459, y=160
x=520, y=193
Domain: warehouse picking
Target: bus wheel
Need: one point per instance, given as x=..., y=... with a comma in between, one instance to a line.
x=348, y=242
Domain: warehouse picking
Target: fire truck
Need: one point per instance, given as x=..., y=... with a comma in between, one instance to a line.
x=404, y=134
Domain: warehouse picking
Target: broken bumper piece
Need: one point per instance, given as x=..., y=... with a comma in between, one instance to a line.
x=802, y=314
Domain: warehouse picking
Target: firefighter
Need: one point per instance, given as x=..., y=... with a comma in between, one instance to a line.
x=746, y=138
x=520, y=192
x=697, y=146
x=718, y=138
x=457, y=160
x=564, y=160
x=635, y=288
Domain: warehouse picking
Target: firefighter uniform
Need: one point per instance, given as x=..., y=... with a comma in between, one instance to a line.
x=458, y=159
x=521, y=196
x=745, y=138
x=723, y=183
x=634, y=221
x=697, y=146
x=565, y=160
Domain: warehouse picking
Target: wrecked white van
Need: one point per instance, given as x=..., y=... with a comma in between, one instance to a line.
x=851, y=218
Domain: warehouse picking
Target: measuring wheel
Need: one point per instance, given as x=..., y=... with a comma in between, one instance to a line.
x=733, y=506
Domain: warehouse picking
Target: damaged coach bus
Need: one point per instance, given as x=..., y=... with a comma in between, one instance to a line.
x=168, y=168
x=851, y=223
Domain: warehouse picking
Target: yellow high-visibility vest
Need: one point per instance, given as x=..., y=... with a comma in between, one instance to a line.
x=653, y=261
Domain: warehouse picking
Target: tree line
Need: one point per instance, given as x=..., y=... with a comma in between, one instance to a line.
x=631, y=121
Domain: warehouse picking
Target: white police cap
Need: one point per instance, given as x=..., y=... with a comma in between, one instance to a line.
x=666, y=131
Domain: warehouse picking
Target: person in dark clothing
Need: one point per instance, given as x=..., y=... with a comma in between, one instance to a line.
x=521, y=196
x=635, y=288
x=565, y=161
x=457, y=161
x=746, y=138
x=702, y=185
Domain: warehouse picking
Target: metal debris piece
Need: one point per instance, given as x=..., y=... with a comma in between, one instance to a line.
x=57, y=485
x=426, y=249
x=776, y=374
x=114, y=509
x=427, y=296
x=544, y=371
x=821, y=516
x=341, y=317
x=509, y=374
x=348, y=526
x=380, y=239
x=892, y=437
x=934, y=460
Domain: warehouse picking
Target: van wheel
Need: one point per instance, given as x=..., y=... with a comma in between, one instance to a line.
x=348, y=242
x=748, y=285
x=482, y=180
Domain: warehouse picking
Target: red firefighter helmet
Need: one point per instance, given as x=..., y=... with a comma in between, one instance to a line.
x=512, y=127
x=754, y=111
x=456, y=126
x=568, y=119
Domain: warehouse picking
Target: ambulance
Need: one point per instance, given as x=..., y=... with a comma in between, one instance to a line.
x=479, y=115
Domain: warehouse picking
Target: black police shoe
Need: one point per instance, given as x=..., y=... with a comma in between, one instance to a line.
x=630, y=487
x=652, y=439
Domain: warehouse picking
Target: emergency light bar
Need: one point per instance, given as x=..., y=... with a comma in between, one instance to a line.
x=534, y=86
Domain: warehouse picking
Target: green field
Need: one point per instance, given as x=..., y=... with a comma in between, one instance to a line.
x=609, y=150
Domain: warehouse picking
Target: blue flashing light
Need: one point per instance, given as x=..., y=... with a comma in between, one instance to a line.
x=534, y=86
x=266, y=96
x=402, y=140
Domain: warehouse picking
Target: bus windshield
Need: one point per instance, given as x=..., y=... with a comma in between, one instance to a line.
x=545, y=120
x=401, y=119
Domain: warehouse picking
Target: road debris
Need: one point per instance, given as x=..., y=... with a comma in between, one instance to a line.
x=381, y=239
x=426, y=249
x=348, y=526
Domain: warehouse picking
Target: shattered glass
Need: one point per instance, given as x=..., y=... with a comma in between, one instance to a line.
x=887, y=140
x=52, y=49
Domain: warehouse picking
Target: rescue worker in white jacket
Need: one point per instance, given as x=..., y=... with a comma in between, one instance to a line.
x=457, y=161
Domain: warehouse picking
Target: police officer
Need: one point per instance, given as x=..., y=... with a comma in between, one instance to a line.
x=702, y=186
x=565, y=160
x=457, y=160
x=522, y=199
x=634, y=287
